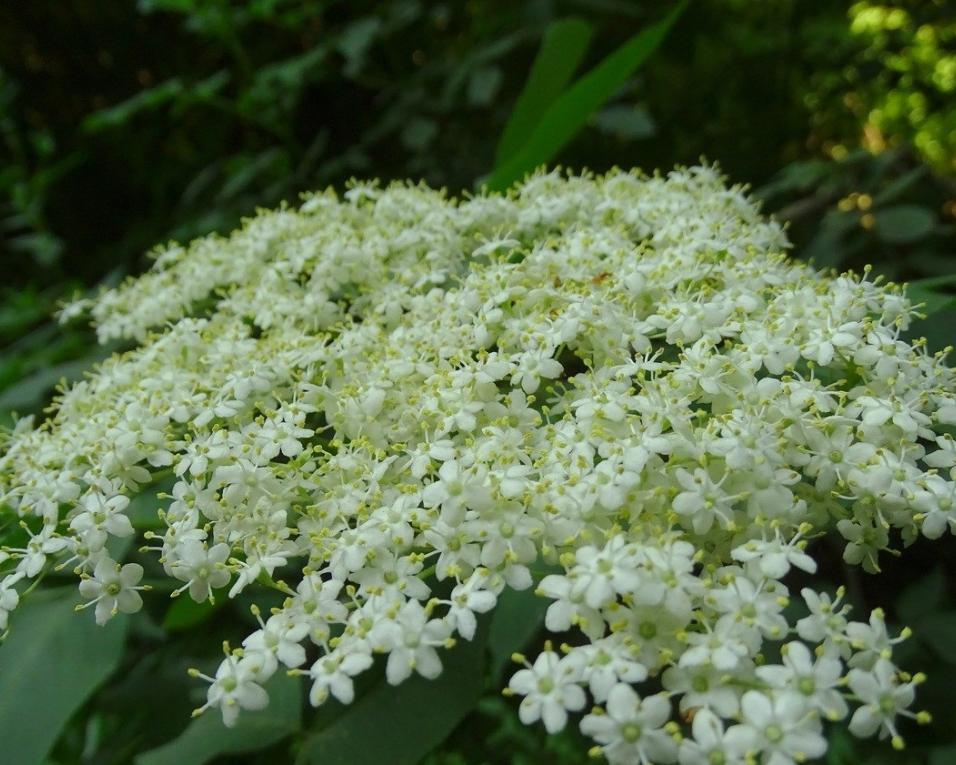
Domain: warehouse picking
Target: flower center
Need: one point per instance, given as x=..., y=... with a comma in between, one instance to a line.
x=631, y=732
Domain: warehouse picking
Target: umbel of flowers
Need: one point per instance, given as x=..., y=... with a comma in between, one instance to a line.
x=394, y=405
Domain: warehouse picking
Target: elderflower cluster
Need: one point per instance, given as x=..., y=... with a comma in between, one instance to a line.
x=615, y=390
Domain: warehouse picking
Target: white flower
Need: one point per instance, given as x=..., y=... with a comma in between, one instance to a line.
x=602, y=574
x=550, y=689
x=882, y=697
x=469, y=598
x=237, y=685
x=410, y=638
x=113, y=589
x=568, y=607
x=390, y=416
x=9, y=598
x=333, y=674
x=781, y=726
x=455, y=490
x=774, y=557
x=606, y=663
x=871, y=641
x=44, y=543
x=203, y=569
x=631, y=730
x=532, y=366
x=704, y=686
x=816, y=681
x=827, y=620
x=280, y=637
x=711, y=744
x=703, y=499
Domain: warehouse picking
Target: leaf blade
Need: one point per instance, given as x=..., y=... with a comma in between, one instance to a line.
x=51, y=663
x=403, y=734
x=207, y=737
x=563, y=46
x=570, y=111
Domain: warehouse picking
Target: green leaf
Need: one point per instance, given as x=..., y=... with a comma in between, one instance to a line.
x=943, y=755
x=900, y=186
x=186, y=612
x=121, y=113
x=829, y=248
x=564, y=45
x=516, y=619
x=926, y=291
x=400, y=724
x=903, y=224
x=51, y=663
x=922, y=597
x=570, y=112
x=143, y=509
x=207, y=737
x=841, y=748
x=938, y=630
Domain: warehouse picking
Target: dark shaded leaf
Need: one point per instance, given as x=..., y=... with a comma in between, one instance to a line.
x=207, y=737
x=399, y=725
x=515, y=621
x=927, y=291
x=903, y=224
x=938, y=630
x=185, y=613
x=922, y=597
x=50, y=664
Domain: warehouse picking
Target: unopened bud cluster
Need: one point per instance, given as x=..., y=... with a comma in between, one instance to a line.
x=616, y=390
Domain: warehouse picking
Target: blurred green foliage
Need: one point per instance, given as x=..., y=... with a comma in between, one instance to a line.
x=130, y=123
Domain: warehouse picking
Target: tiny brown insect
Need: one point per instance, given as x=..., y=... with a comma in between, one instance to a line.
x=689, y=714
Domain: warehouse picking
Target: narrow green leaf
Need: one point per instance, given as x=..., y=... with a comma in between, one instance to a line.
x=206, y=737
x=52, y=661
x=121, y=113
x=564, y=44
x=565, y=117
x=400, y=724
